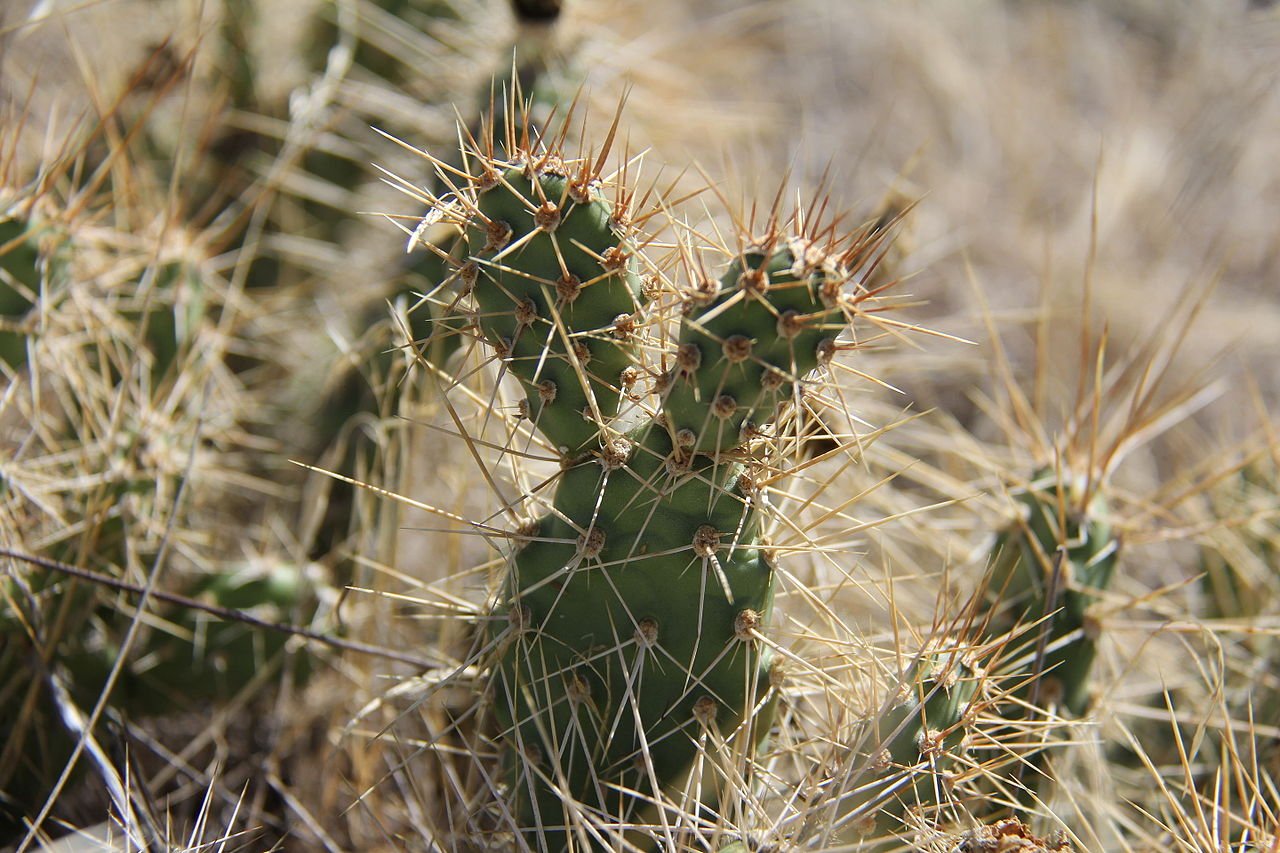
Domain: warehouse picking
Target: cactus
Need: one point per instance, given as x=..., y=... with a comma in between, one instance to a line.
x=19, y=288
x=194, y=660
x=1049, y=568
x=629, y=629
x=1240, y=561
x=773, y=318
x=32, y=251
x=103, y=462
x=186, y=663
x=388, y=40
x=554, y=288
x=903, y=750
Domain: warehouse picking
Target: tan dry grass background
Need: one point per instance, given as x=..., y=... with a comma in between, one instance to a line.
x=1127, y=143
x=1007, y=119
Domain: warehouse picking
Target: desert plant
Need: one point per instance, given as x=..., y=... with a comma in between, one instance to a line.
x=628, y=644
x=113, y=344
x=906, y=749
x=19, y=287
x=1049, y=568
x=117, y=338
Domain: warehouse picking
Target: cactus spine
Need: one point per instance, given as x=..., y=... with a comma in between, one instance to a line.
x=630, y=646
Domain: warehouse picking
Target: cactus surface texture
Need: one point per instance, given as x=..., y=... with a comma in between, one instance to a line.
x=639, y=507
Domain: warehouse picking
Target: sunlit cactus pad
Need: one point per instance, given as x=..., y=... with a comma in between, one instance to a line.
x=628, y=645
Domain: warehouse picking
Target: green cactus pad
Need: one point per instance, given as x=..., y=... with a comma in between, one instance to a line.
x=170, y=316
x=554, y=283
x=202, y=659
x=19, y=285
x=1052, y=565
x=901, y=750
x=746, y=343
x=627, y=639
x=632, y=620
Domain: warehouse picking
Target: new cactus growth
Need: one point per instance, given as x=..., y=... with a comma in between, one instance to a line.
x=1049, y=568
x=629, y=632
x=773, y=317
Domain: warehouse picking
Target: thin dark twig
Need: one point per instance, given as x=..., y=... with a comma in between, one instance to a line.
x=224, y=613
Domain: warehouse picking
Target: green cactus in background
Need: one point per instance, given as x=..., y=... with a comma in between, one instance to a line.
x=184, y=663
x=1048, y=568
x=31, y=254
x=195, y=659
x=384, y=37
x=904, y=749
x=100, y=439
x=19, y=288
x=1240, y=561
x=628, y=655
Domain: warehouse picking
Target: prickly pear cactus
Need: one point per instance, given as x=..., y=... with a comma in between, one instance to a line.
x=555, y=289
x=17, y=263
x=200, y=659
x=109, y=355
x=629, y=642
x=19, y=284
x=772, y=318
x=1049, y=568
x=902, y=752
